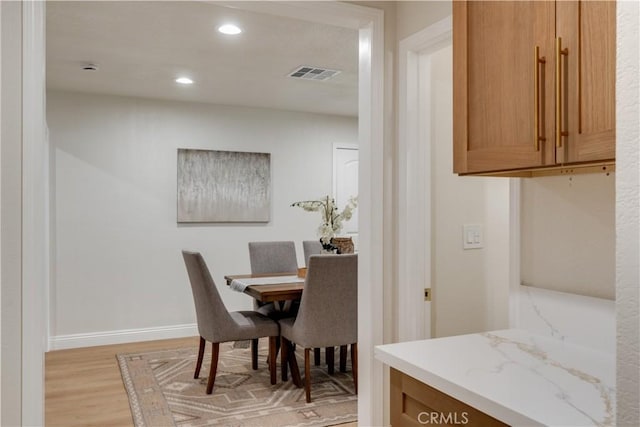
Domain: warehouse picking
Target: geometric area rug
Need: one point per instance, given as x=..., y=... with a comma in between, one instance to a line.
x=162, y=391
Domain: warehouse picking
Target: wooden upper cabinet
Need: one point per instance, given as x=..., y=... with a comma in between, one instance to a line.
x=494, y=72
x=507, y=99
x=587, y=31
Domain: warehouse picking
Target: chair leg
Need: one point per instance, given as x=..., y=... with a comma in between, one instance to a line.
x=293, y=364
x=354, y=364
x=277, y=351
x=316, y=356
x=254, y=354
x=328, y=351
x=200, y=357
x=343, y=358
x=307, y=374
x=272, y=358
x=215, y=352
x=284, y=358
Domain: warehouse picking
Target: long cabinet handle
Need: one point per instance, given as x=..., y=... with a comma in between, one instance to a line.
x=559, y=91
x=536, y=98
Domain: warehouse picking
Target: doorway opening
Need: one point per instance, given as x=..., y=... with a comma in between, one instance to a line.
x=416, y=139
x=369, y=23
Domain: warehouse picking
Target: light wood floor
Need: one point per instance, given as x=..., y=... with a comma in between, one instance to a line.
x=83, y=387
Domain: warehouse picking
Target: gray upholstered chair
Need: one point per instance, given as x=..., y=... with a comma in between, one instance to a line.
x=272, y=257
x=314, y=247
x=328, y=315
x=216, y=324
x=311, y=247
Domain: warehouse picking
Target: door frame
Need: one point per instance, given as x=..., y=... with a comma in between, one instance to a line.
x=414, y=180
x=26, y=262
x=369, y=23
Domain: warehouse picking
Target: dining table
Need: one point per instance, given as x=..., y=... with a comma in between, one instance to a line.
x=272, y=287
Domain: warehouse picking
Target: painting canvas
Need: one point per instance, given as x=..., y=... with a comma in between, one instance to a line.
x=223, y=186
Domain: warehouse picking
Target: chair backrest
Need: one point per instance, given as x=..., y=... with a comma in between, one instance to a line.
x=273, y=257
x=211, y=313
x=328, y=314
x=311, y=247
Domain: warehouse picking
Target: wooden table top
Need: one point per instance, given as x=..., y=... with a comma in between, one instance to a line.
x=270, y=292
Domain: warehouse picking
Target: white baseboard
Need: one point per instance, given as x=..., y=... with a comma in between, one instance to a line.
x=62, y=342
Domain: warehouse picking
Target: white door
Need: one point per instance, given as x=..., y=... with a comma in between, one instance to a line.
x=345, y=184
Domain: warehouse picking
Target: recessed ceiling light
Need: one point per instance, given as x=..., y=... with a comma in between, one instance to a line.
x=230, y=29
x=184, y=80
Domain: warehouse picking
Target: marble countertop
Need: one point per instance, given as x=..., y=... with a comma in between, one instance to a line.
x=515, y=376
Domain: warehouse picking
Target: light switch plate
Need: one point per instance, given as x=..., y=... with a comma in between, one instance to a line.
x=472, y=237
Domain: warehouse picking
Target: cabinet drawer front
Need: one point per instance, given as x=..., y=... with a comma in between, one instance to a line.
x=414, y=403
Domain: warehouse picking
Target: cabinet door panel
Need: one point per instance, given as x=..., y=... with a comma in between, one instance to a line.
x=587, y=29
x=494, y=70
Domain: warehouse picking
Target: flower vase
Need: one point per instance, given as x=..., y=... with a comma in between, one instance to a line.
x=343, y=245
x=328, y=248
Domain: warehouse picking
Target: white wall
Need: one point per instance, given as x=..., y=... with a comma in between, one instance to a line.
x=117, y=243
x=568, y=234
x=627, y=215
x=470, y=287
x=413, y=16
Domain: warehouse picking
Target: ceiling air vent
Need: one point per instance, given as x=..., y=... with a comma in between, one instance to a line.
x=313, y=73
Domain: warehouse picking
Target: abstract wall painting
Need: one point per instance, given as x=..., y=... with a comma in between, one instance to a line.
x=223, y=186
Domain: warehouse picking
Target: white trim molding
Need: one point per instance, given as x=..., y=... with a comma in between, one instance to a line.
x=35, y=223
x=11, y=209
x=371, y=306
x=62, y=342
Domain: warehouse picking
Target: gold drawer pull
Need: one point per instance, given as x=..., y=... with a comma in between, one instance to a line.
x=559, y=92
x=536, y=98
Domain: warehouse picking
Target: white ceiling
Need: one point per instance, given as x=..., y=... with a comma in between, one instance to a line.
x=140, y=48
